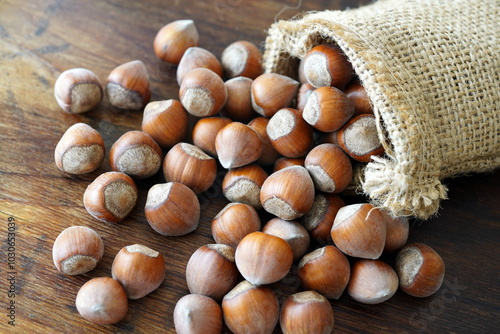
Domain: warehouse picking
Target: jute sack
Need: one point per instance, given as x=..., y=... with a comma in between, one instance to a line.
x=432, y=72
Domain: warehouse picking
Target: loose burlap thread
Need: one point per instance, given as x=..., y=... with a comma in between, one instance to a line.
x=431, y=71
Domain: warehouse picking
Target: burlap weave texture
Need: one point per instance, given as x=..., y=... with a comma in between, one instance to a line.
x=431, y=70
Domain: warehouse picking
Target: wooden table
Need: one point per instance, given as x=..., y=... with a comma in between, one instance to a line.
x=40, y=39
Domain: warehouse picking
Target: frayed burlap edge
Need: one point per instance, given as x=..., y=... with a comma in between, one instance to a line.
x=398, y=181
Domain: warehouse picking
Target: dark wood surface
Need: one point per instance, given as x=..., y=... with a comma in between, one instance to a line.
x=40, y=39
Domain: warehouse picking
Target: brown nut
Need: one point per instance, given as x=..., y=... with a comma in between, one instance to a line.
x=139, y=269
x=272, y=92
x=166, y=122
x=172, y=209
x=420, y=269
x=250, y=309
x=77, y=250
x=290, y=135
x=288, y=193
x=330, y=168
x=284, y=162
x=269, y=153
x=173, y=39
x=263, y=258
x=136, y=154
x=211, y=271
x=326, y=65
x=110, y=197
x=243, y=184
x=78, y=90
x=80, y=150
x=292, y=232
x=327, y=109
x=319, y=220
x=196, y=57
x=205, y=131
x=102, y=301
x=238, y=106
x=325, y=270
x=303, y=94
x=359, y=230
x=202, y=92
x=372, y=282
x=306, y=312
x=187, y=164
x=197, y=314
x=359, y=98
x=237, y=145
x=359, y=138
x=234, y=222
x=398, y=229
x=242, y=58
x=127, y=86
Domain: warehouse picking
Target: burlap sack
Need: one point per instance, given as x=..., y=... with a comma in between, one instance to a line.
x=431, y=69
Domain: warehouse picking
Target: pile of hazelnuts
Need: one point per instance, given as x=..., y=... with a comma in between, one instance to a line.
x=289, y=162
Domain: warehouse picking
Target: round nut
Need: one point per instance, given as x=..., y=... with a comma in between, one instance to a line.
x=237, y=145
x=272, y=92
x=284, y=162
x=78, y=90
x=292, y=232
x=80, y=150
x=102, y=301
x=127, y=86
x=319, y=220
x=238, y=106
x=172, y=209
x=326, y=65
x=205, y=131
x=139, y=269
x=196, y=57
x=303, y=94
x=77, y=250
x=110, y=197
x=359, y=98
x=234, y=222
x=189, y=165
x=243, y=184
x=398, y=229
x=242, y=58
x=269, y=153
x=173, y=39
x=197, y=314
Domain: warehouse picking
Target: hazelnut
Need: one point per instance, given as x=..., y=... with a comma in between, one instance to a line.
x=196, y=57
x=330, y=168
x=398, y=229
x=234, y=222
x=242, y=58
x=211, y=271
x=359, y=230
x=173, y=39
x=237, y=145
x=250, y=309
x=127, y=86
x=420, y=269
x=166, y=122
x=290, y=135
x=172, y=209
x=205, y=131
x=243, y=184
x=136, y=154
x=306, y=312
x=77, y=250
x=269, y=153
x=359, y=138
x=238, y=106
x=326, y=65
x=327, y=109
x=202, y=92
x=359, y=98
x=290, y=231
x=272, y=92
x=288, y=193
x=197, y=314
x=263, y=258
x=78, y=90
x=110, y=197
x=80, y=150
x=284, y=162
x=189, y=165
x=139, y=269
x=319, y=220
x=325, y=270
x=102, y=301
x=372, y=282
x=303, y=94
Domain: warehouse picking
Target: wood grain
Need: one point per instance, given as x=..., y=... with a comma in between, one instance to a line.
x=40, y=39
